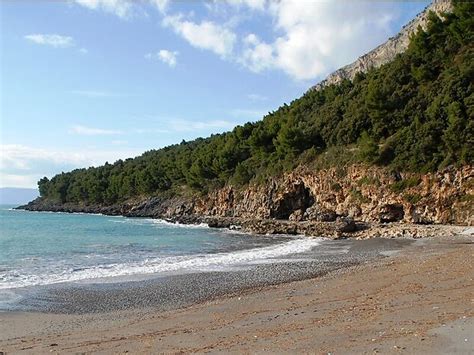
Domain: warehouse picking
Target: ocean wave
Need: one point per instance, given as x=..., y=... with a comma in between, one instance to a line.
x=178, y=225
x=199, y=262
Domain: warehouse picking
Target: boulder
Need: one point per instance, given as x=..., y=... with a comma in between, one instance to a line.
x=319, y=214
x=345, y=225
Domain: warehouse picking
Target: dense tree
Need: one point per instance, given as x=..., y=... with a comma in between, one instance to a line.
x=415, y=113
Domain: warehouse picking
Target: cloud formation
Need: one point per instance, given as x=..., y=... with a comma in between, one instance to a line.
x=90, y=131
x=165, y=56
x=53, y=40
x=317, y=37
x=124, y=9
x=23, y=166
x=121, y=8
x=204, y=35
x=307, y=40
x=253, y=4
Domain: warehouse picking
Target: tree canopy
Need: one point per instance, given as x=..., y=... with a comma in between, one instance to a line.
x=415, y=113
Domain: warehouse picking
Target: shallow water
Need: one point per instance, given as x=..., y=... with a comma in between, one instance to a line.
x=41, y=248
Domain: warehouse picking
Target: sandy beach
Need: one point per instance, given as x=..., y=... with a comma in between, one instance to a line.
x=419, y=300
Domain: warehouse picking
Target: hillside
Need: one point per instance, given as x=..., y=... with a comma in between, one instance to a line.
x=387, y=51
x=411, y=117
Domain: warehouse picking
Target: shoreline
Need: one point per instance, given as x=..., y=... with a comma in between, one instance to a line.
x=164, y=291
x=395, y=303
x=341, y=228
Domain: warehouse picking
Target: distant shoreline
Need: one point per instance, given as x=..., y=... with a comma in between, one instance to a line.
x=342, y=228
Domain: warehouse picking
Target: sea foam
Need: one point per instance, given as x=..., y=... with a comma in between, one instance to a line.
x=190, y=263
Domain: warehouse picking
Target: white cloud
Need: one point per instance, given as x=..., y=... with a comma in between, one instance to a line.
x=308, y=39
x=22, y=181
x=257, y=56
x=166, y=56
x=23, y=166
x=253, y=4
x=317, y=37
x=121, y=8
x=89, y=131
x=161, y=5
x=124, y=9
x=83, y=50
x=52, y=40
x=205, y=35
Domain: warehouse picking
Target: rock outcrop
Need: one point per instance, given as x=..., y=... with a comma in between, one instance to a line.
x=387, y=51
x=368, y=194
x=304, y=201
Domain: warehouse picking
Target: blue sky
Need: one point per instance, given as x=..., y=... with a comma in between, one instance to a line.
x=89, y=81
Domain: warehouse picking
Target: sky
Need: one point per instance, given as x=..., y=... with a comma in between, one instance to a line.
x=83, y=82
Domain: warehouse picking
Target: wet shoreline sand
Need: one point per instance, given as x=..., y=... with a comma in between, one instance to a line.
x=180, y=289
x=388, y=304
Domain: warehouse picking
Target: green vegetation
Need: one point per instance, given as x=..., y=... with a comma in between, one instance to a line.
x=467, y=198
x=357, y=196
x=413, y=198
x=401, y=185
x=366, y=180
x=413, y=114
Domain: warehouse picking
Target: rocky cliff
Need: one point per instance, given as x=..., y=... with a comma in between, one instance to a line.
x=387, y=51
x=314, y=202
x=368, y=194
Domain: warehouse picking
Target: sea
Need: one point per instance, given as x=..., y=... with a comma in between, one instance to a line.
x=45, y=248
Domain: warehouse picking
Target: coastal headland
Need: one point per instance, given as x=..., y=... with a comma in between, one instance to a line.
x=356, y=201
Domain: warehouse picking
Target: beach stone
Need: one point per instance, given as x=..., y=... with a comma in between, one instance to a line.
x=345, y=225
x=319, y=214
x=296, y=216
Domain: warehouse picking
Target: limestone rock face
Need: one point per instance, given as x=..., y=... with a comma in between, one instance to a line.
x=391, y=213
x=368, y=194
x=319, y=214
x=314, y=199
x=387, y=51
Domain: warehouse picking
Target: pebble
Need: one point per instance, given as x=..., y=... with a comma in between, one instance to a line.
x=177, y=291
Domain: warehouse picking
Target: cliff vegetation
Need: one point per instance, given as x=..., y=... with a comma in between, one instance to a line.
x=414, y=114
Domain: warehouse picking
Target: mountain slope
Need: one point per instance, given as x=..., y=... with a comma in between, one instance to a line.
x=387, y=51
x=411, y=116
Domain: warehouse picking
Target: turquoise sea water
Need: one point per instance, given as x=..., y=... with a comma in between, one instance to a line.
x=41, y=248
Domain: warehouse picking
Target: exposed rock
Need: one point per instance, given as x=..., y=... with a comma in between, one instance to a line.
x=345, y=225
x=387, y=51
x=312, y=201
x=354, y=211
x=320, y=214
x=391, y=213
x=296, y=216
x=295, y=197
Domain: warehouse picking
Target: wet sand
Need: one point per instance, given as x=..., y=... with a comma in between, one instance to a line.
x=420, y=300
